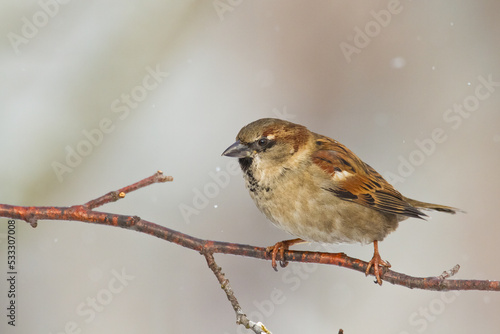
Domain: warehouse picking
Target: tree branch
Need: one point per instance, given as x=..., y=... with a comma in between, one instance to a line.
x=85, y=213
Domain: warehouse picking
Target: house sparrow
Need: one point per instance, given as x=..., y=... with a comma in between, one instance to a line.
x=318, y=190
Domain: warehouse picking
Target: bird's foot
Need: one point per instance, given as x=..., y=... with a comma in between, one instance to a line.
x=375, y=262
x=281, y=247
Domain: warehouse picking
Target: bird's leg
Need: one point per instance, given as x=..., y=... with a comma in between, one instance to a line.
x=376, y=261
x=281, y=247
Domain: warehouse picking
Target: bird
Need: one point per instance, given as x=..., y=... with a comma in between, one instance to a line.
x=318, y=190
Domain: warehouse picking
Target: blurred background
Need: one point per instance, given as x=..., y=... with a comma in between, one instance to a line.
x=98, y=95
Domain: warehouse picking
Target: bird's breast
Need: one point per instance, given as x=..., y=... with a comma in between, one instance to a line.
x=297, y=203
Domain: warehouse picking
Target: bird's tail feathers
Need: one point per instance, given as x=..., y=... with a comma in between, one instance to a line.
x=430, y=206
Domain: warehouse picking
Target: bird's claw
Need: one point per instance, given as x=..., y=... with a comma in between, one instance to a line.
x=375, y=262
x=281, y=247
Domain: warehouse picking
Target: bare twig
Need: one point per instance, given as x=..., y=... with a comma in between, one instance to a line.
x=449, y=273
x=113, y=196
x=241, y=318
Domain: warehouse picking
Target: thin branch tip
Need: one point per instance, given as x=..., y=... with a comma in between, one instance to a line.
x=449, y=273
x=163, y=178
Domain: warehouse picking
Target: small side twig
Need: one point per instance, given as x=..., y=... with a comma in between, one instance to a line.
x=241, y=318
x=449, y=273
x=113, y=196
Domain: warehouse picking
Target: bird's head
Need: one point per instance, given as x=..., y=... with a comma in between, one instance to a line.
x=269, y=143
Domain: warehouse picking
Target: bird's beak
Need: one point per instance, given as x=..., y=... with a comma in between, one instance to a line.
x=237, y=150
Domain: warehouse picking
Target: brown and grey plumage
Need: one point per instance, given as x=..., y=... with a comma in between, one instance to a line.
x=317, y=189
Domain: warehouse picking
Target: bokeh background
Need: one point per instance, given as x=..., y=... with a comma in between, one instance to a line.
x=168, y=84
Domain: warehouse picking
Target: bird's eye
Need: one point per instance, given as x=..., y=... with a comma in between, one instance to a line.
x=263, y=142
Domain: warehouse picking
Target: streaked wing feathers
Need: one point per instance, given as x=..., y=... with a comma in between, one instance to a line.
x=353, y=180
